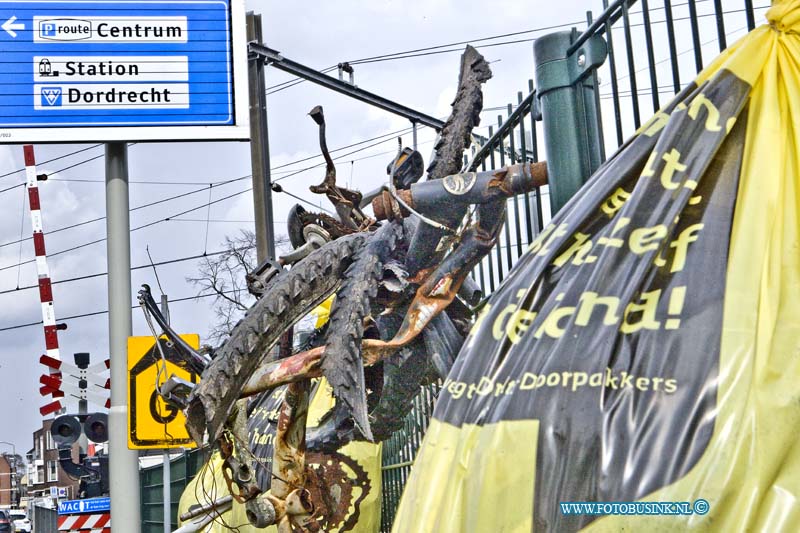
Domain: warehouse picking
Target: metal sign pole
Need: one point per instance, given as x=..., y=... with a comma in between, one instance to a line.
x=166, y=465
x=259, y=147
x=123, y=463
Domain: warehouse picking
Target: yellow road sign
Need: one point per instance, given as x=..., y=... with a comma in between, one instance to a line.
x=151, y=422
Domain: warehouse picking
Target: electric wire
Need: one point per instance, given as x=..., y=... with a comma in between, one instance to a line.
x=11, y=173
x=95, y=313
x=101, y=274
x=143, y=206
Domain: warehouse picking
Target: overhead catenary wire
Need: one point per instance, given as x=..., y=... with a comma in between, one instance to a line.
x=152, y=182
x=101, y=274
x=11, y=173
x=403, y=54
x=437, y=49
x=143, y=206
x=388, y=136
x=166, y=219
x=95, y=313
x=688, y=50
x=143, y=226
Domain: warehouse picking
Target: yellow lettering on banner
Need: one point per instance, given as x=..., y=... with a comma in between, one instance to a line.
x=456, y=389
x=611, y=240
x=589, y=300
x=551, y=326
x=645, y=239
x=483, y=388
x=648, y=170
x=528, y=381
x=676, y=300
x=518, y=324
x=655, y=124
x=672, y=158
x=615, y=202
x=579, y=379
x=648, y=310
x=712, y=119
x=540, y=244
x=498, y=328
x=580, y=249
x=510, y=386
x=596, y=380
x=670, y=386
x=681, y=246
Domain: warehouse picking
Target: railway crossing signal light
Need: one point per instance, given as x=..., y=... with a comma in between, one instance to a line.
x=66, y=429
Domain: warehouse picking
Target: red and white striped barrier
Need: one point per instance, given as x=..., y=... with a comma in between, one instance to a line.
x=45, y=287
x=94, y=523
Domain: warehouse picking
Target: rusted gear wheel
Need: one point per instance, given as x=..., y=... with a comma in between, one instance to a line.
x=337, y=483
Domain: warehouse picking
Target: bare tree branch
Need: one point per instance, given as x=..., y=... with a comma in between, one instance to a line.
x=224, y=276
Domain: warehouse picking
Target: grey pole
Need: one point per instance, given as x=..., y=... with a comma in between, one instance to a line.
x=259, y=146
x=414, y=135
x=166, y=465
x=565, y=90
x=123, y=463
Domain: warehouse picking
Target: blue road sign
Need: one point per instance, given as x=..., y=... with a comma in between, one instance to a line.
x=91, y=505
x=160, y=69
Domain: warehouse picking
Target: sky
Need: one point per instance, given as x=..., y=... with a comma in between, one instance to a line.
x=319, y=35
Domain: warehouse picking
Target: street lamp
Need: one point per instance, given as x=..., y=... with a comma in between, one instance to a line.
x=14, y=487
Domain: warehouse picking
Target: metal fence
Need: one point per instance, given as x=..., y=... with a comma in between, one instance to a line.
x=654, y=48
x=645, y=67
x=151, y=481
x=399, y=452
x=44, y=520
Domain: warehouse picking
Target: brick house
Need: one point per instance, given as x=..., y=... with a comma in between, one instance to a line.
x=44, y=470
x=12, y=469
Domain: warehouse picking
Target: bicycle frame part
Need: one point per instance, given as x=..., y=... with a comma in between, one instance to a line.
x=344, y=200
x=291, y=296
x=446, y=198
x=433, y=296
x=288, y=495
x=196, y=361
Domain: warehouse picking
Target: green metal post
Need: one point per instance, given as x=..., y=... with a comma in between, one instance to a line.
x=566, y=98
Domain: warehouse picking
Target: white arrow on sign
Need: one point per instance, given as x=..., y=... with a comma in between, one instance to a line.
x=9, y=26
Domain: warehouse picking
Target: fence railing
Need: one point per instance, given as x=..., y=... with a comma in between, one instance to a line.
x=182, y=470
x=44, y=519
x=399, y=452
x=516, y=140
x=653, y=50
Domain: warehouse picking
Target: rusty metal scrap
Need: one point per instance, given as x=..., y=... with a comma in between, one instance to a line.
x=297, y=367
x=344, y=200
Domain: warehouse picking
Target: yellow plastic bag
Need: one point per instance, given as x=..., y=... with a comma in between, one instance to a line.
x=359, y=464
x=646, y=349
